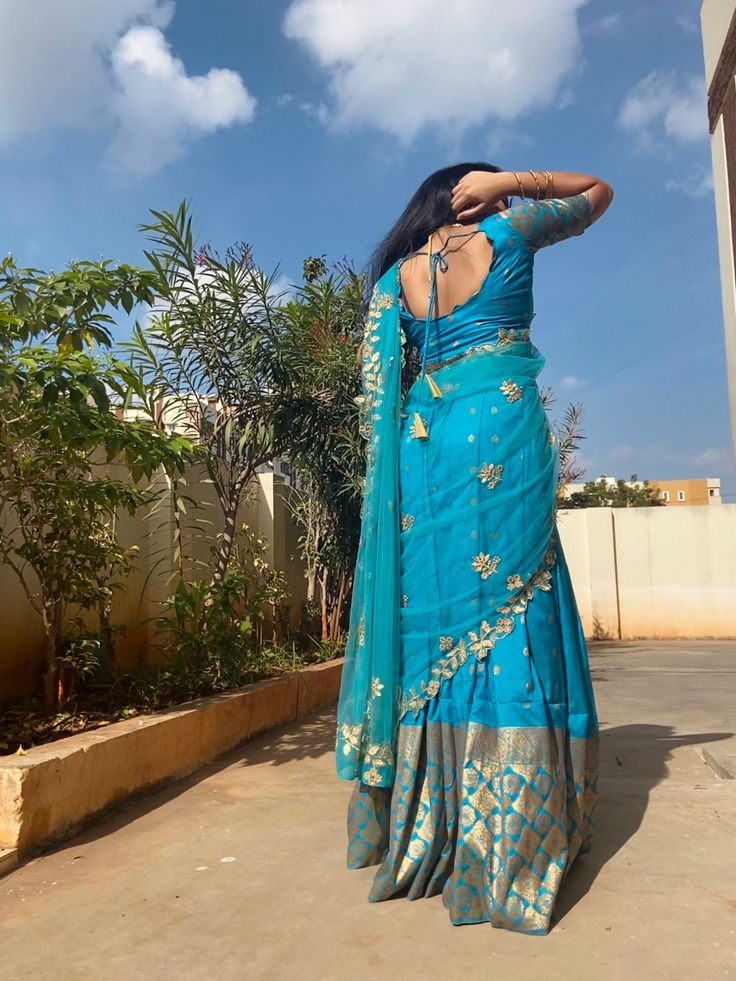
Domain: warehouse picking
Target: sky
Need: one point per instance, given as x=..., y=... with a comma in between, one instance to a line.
x=303, y=127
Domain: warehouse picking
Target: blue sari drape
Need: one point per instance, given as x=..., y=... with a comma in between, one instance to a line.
x=368, y=707
x=466, y=712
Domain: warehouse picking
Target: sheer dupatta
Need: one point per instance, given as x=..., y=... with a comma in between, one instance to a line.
x=368, y=707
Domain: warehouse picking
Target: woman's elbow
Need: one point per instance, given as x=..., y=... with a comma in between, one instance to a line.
x=601, y=196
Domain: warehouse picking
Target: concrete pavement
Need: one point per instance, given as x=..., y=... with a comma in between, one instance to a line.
x=238, y=872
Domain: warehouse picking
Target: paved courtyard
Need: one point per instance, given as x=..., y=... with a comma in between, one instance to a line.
x=238, y=872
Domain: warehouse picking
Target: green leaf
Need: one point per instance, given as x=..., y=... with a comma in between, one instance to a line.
x=50, y=394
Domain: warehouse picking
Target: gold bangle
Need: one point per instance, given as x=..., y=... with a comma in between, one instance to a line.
x=549, y=191
x=536, y=181
x=518, y=181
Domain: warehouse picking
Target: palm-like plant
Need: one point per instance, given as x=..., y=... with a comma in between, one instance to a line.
x=568, y=434
x=213, y=352
x=325, y=322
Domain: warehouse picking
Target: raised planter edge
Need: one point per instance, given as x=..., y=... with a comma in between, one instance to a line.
x=51, y=792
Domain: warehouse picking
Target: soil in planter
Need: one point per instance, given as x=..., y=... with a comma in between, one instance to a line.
x=24, y=723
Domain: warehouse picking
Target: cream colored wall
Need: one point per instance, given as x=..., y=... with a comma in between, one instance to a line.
x=137, y=605
x=636, y=572
x=726, y=263
x=653, y=572
x=715, y=19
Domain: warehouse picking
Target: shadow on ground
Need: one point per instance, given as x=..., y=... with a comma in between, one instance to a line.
x=309, y=738
x=633, y=761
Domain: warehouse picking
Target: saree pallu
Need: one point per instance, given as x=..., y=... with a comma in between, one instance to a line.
x=496, y=736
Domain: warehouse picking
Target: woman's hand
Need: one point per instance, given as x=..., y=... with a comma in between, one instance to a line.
x=476, y=195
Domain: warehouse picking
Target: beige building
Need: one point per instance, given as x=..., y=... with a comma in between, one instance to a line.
x=718, y=23
x=695, y=490
x=690, y=490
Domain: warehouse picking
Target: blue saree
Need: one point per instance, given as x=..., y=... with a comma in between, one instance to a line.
x=466, y=715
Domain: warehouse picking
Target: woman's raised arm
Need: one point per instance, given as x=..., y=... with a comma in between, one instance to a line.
x=477, y=194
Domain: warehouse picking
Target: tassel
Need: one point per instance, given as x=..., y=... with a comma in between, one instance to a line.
x=433, y=387
x=420, y=429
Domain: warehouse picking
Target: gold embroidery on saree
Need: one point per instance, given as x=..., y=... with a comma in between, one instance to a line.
x=511, y=335
x=490, y=474
x=361, y=630
x=511, y=390
x=484, y=564
x=478, y=643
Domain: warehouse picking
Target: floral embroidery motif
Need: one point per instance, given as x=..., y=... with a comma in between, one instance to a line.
x=376, y=756
x=514, y=582
x=361, y=630
x=372, y=381
x=511, y=390
x=551, y=439
x=376, y=688
x=490, y=474
x=479, y=643
x=485, y=565
x=542, y=579
x=511, y=335
x=407, y=520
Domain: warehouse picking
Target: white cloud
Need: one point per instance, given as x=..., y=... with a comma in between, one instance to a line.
x=688, y=23
x=698, y=185
x=572, y=381
x=82, y=63
x=406, y=67
x=159, y=107
x=714, y=457
x=282, y=289
x=661, y=105
x=605, y=25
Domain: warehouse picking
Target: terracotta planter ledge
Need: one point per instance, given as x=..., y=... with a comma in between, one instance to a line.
x=48, y=794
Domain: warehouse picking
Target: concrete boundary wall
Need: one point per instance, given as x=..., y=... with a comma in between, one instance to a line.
x=637, y=572
x=653, y=572
x=135, y=607
x=52, y=791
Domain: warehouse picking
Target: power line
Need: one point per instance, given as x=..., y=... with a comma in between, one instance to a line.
x=641, y=357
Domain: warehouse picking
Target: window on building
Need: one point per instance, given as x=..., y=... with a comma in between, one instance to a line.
x=711, y=492
x=666, y=496
x=681, y=495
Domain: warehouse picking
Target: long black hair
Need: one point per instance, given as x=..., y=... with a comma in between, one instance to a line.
x=428, y=210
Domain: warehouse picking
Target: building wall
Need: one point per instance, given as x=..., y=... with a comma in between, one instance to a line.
x=696, y=490
x=653, y=572
x=718, y=22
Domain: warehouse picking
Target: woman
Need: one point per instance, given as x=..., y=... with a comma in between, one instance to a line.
x=466, y=712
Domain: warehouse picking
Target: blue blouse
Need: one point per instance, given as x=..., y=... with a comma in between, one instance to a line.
x=504, y=300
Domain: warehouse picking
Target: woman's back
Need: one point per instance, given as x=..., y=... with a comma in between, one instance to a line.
x=484, y=285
